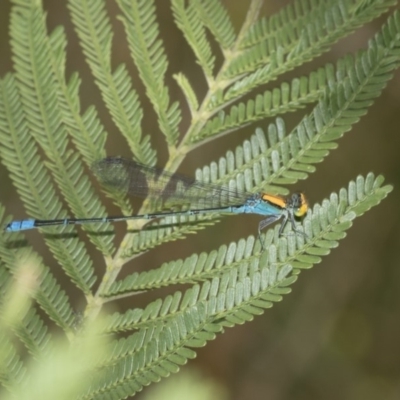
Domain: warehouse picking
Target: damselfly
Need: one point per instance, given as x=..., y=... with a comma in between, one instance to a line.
x=139, y=180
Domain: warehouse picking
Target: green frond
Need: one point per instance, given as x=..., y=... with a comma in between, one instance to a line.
x=317, y=29
x=148, y=54
x=12, y=369
x=231, y=271
x=34, y=334
x=29, y=328
x=285, y=159
x=131, y=344
x=58, y=375
x=95, y=33
x=160, y=357
x=217, y=20
x=5, y=277
x=289, y=97
x=39, y=96
x=87, y=133
x=188, y=91
x=19, y=154
x=49, y=295
x=195, y=268
x=188, y=21
x=284, y=27
x=130, y=319
x=166, y=230
x=317, y=36
x=267, y=161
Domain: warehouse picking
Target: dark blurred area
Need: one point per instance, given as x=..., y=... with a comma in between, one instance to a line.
x=336, y=336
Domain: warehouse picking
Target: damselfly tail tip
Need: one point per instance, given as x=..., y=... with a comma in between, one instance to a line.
x=23, y=225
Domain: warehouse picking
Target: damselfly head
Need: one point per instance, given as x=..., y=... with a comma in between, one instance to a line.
x=299, y=204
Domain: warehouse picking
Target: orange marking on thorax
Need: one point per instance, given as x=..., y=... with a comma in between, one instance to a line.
x=275, y=200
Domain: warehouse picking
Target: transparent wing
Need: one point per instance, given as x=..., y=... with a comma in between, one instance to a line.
x=132, y=178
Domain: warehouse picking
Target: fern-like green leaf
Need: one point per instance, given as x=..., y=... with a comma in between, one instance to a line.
x=285, y=26
x=316, y=37
x=12, y=369
x=192, y=27
x=166, y=230
x=322, y=27
x=34, y=334
x=33, y=61
x=94, y=30
x=57, y=375
x=29, y=328
x=148, y=54
x=283, y=160
x=87, y=132
x=215, y=17
x=287, y=98
x=188, y=91
x=49, y=295
x=159, y=357
x=19, y=154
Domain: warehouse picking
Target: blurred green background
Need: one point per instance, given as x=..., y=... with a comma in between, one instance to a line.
x=337, y=336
